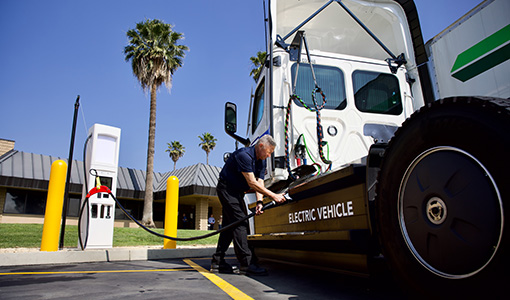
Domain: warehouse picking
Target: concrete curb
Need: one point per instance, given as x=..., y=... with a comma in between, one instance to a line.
x=101, y=255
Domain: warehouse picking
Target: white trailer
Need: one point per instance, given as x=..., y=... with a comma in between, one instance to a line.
x=472, y=56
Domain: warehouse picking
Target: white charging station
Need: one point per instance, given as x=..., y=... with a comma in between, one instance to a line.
x=103, y=156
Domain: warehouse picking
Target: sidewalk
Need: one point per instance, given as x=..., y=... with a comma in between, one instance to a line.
x=32, y=256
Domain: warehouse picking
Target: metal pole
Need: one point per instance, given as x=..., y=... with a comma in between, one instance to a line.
x=307, y=20
x=68, y=180
x=376, y=39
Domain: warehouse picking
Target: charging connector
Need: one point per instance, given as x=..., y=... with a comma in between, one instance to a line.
x=287, y=197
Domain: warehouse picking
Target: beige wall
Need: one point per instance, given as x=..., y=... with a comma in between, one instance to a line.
x=201, y=209
x=6, y=146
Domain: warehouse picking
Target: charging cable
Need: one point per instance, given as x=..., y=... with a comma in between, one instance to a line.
x=104, y=189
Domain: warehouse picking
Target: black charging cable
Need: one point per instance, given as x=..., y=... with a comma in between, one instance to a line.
x=104, y=189
x=83, y=244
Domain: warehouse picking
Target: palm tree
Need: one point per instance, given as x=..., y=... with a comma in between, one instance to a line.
x=257, y=61
x=175, y=150
x=208, y=142
x=155, y=57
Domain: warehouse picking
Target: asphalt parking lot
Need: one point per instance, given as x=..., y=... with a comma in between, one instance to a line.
x=183, y=279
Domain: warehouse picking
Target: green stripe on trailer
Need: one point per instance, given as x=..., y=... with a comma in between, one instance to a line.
x=479, y=58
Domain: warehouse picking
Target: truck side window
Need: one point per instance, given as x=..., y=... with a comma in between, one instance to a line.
x=330, y=80
x=376, y=93
x=258, y=106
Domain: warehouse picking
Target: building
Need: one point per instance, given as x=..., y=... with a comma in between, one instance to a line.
x=24, y=180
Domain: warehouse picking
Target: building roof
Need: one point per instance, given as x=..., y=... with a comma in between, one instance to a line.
x=29, y=170
x=197, y=179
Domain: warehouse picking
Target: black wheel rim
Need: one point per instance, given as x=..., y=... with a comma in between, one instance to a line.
x=450, y=212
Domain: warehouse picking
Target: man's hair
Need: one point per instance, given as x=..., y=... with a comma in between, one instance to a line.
x=267, y=140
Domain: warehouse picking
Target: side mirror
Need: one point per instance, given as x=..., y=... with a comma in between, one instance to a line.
x=231, y=123
x=230, y=117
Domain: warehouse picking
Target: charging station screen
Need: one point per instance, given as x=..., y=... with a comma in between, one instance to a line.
x=106, y=181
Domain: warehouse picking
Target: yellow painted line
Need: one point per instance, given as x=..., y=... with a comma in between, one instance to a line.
x=92, y=272
x=208, y=258
x=231, y=290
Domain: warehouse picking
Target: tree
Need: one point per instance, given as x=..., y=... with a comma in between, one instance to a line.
x=208, y=142
x=175, y=150
x=258, y=61
x=154, y=56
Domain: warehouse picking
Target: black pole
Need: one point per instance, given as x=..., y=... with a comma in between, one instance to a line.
x=68, y=178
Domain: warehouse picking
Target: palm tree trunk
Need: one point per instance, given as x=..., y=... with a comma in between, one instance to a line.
x=147, y=204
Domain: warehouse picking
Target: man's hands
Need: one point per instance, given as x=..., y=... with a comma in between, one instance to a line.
x=278, y=198
x=260, y=189
x=258, y=209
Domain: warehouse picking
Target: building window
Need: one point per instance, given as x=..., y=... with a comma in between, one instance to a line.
x=133, y=207
x=25, y=202
x=73, y=207
x=34, y=203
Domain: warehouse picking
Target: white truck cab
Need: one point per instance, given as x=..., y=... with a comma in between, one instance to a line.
x=362, y=98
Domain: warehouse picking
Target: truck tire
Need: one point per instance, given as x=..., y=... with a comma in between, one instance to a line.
x=441, y=194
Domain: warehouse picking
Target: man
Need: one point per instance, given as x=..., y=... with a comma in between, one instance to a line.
x=244, y=170
x=184, y=221
x=211, y=221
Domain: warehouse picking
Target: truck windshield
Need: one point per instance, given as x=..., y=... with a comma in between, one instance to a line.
x=330, y=80
x=376, y=93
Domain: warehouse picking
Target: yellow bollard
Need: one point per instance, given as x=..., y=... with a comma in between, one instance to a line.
x=172, y=203
x=54, y=203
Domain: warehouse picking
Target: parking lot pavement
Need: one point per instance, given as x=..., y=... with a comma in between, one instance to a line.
x=182, y=279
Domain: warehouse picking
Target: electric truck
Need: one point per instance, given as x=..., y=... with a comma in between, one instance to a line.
x=394, y=151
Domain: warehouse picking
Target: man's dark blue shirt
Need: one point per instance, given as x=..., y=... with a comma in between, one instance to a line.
x=242, y=160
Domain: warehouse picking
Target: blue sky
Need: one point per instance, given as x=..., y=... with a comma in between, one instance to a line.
x=54, y=50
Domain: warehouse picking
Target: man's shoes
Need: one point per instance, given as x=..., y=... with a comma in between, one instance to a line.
x=253, y=270
x=223, y=267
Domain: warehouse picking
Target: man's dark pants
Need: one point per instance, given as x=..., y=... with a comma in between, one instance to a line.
x=233, y=209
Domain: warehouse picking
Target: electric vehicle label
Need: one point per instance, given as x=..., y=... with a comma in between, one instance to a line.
x=326, y=212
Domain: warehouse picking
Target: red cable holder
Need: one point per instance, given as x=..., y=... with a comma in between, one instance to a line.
x=101, y=189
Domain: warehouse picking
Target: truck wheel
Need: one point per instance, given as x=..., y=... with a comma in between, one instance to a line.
x=441, y=194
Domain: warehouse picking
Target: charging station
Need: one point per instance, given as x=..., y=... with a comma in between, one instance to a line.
x=96, y=224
